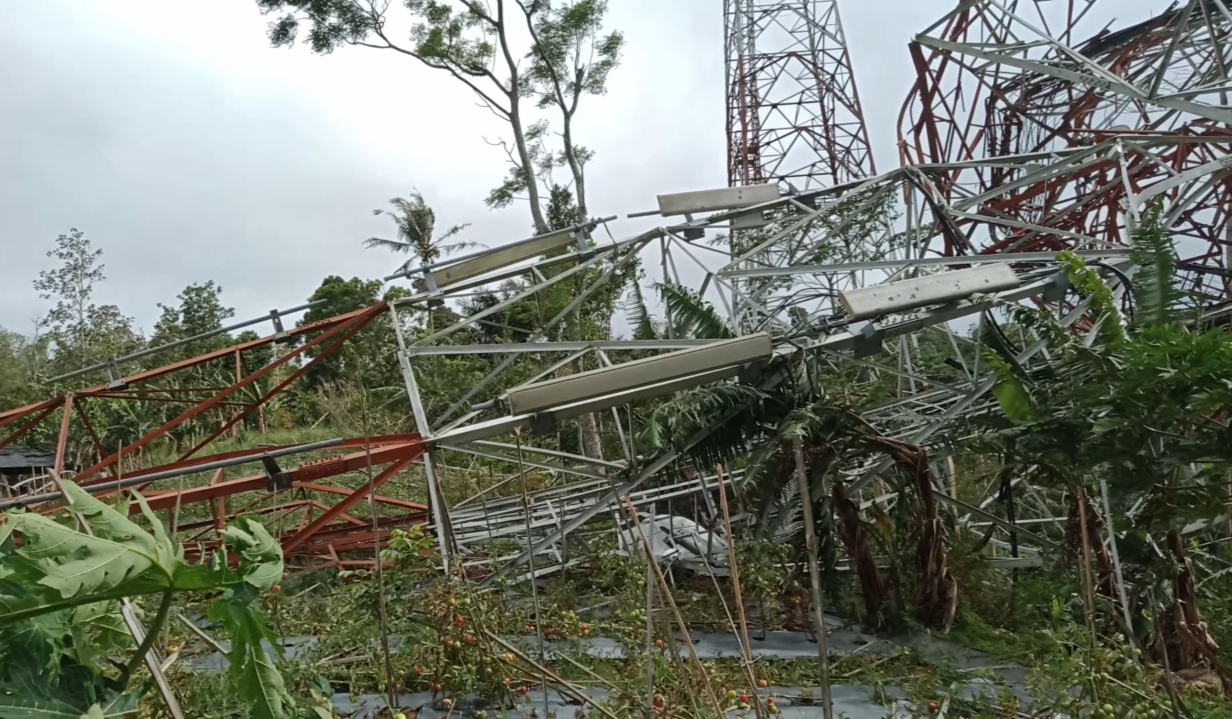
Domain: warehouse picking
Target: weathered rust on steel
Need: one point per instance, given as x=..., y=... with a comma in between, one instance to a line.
x=321, y=531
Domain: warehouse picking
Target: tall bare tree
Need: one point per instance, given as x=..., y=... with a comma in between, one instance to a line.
x=483, y=45
x=504, y=51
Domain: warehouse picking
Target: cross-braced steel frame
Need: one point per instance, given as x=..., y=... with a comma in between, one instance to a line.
x=793, y=112
x=310, y=510
x=1021, y=138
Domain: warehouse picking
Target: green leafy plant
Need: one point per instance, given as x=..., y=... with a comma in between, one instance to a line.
x=60, y=583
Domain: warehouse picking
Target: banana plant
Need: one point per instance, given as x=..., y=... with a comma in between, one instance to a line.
x=60, y=584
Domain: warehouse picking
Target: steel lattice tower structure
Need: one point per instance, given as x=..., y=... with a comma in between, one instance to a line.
x=793, y=113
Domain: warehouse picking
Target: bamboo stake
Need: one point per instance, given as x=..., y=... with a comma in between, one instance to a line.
x=734, y=571
x=534, y=591
x=1088, y=582
x=387, y=661
x=197, y=630
x=1122, y=590
x=810, y=541
x=548, y=673
x=671, y=604
x=731, y=623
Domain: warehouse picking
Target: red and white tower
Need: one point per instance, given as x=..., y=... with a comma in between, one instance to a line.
x=793, y=114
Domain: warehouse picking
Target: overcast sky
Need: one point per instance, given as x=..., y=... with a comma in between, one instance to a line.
x=189, y=150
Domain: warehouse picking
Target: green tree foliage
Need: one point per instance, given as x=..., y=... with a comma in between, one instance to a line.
x=80, y=331
x=367, y=363
x=758, y=426
x=20, y=361
x=537, y=315
x=570, y=57
x=58, y=591
x=481, y=45
x=200, y=310
x=1143, y=410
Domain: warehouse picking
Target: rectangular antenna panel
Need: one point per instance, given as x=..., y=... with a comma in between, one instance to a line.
x=639, y=373
x=499, y=258
x=725, y=198
x=906, y=295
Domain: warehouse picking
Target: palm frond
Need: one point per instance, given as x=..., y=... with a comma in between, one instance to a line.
x=639, y=316
x=692, y=410
x=788, y=522
x=1152, y=249
x=453, y=247
x=450, y=233
x=770, y=467
x=726, y=413
x=384, y=244
x=691, y=315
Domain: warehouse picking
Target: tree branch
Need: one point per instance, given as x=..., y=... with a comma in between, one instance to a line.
x=492, y=104
x=481, y=14
x=554, y=76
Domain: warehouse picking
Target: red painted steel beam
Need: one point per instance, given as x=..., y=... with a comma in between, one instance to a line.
x=325, y=324
x=380, y=499
x=405, y=452
x=355, y=443
x=350, y=500
x=353, y=325
x=31, y=424
x=355, y=535
x=346, y=332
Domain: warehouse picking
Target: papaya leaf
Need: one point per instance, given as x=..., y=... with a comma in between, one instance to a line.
x=252, y=672
x=116, y=705
x=58, y=612
x=29, y=691
x=60, y=566
x=98, y=630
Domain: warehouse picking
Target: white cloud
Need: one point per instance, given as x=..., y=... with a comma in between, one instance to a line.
x=188, y=149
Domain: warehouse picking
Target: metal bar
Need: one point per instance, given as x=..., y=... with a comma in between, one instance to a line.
x=613, y=496
x=440, y=512
x=341, y=507
x=112, y=485
x=578, y=458
x=406, y=270
x=580, y=267
x=17, y=434
x=579, y=471
x=180, y=343
x=564, y=346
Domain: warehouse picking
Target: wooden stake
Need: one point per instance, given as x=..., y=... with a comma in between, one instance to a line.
x=544, y=671
x=810, y=542
x=671, y=604
x=734, y=570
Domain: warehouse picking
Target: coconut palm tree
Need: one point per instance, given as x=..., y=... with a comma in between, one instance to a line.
x=415, y=222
